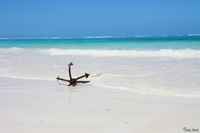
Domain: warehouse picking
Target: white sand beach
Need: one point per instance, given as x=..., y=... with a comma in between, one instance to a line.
x=125, y=95
x=39, y=106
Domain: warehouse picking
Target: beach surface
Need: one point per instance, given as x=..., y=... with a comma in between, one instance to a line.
x=144, y=84
x=41, y=106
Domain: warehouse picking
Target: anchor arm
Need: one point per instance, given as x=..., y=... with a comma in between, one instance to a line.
x=82, y=81
x=86, y=75
x=58, y=78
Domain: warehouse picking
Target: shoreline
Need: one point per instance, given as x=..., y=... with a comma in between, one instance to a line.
x=46, y=106
x=114, y=88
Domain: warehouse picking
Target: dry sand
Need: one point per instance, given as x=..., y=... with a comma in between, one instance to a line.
x=34, y=106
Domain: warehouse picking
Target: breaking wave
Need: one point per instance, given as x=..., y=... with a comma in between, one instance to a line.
x=183, y=53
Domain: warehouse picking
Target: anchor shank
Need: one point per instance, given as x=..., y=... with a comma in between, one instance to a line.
x=70, y=76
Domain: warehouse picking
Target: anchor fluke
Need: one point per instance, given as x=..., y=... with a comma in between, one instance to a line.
x=87, y=75
x=58, y=78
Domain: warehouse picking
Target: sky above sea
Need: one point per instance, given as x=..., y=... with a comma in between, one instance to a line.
x=69, y=18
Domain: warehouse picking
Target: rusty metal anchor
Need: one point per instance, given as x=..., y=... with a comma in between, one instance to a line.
x=73, y=81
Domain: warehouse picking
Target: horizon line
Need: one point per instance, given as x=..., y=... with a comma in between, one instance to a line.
x=99, y=36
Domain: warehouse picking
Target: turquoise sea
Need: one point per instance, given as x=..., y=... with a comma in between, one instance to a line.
x=160, y=65
x=109, y=43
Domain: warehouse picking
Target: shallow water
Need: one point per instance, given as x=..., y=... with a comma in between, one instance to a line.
x=145, y=70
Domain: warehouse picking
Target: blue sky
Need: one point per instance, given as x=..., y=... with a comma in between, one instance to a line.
x=82, y=18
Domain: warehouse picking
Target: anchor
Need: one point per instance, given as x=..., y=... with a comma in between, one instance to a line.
x=73, y=81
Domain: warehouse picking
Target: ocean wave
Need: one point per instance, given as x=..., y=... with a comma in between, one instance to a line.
x=193, y=35
x=183, y=53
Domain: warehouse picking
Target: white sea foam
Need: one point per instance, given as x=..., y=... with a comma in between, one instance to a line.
x=22, y=77
x=11, y=50
x=159, y=76
x=146, y=91
x=183, y=53
x=193, y=34
x=113, y=87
